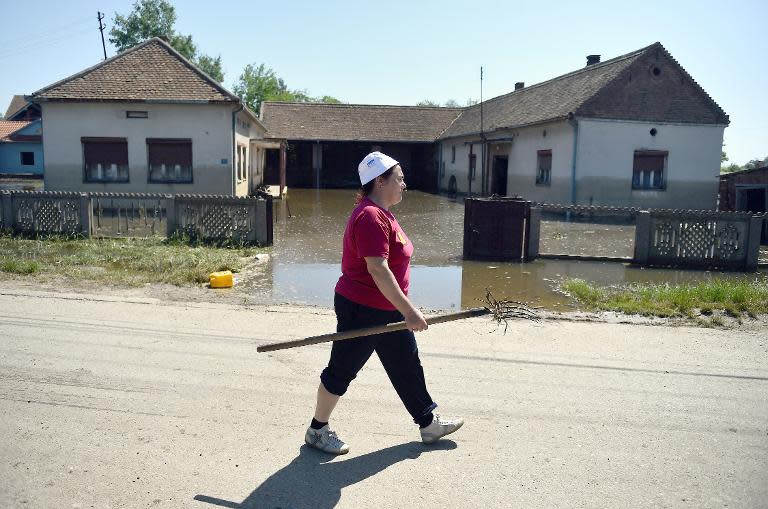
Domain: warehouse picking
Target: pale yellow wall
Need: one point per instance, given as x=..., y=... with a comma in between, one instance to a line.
x=208, y=126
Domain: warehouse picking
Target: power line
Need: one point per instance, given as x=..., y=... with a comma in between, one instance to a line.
x=41, y=33
x=11, y=52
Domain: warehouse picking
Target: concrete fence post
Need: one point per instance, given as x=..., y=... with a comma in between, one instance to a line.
x=86, y=214
x=264, y=222
x=170, y=215
x=753, y=242
x=534, y=233
x=642, y=237
x=7, y=210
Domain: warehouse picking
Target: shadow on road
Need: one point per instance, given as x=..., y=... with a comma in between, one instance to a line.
x=312, y=480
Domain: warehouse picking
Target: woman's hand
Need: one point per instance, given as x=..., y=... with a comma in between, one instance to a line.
x=415, y=321
x=385, y=281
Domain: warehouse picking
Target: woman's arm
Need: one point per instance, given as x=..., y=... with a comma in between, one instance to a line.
x=387, y=284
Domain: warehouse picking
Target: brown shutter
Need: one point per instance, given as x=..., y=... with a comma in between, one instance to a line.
x=105, y=152
x=170, y=152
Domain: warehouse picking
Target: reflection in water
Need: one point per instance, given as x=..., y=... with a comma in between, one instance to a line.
x=306, y=256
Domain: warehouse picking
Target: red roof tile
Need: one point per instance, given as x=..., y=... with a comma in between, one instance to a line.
x=150, y=71
x=8, y=127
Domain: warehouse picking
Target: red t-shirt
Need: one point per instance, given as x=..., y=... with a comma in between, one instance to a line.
x=373, y=231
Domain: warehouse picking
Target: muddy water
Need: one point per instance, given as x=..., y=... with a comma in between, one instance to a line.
x=306, y=255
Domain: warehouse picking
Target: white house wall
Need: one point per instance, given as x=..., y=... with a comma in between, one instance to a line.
x=523, y=161
x=606, y=156
x=208, y=126
x=460, y=167
x=247, y=129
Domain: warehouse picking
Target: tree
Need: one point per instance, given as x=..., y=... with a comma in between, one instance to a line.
x=260, y=83
x=211, y=66
x=155, y=18
x=756, y=163
x=450, y=103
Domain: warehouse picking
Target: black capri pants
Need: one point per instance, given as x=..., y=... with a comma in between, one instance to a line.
x=397, y=351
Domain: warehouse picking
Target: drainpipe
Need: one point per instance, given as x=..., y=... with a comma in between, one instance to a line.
x=234, y=147
x=575, y=123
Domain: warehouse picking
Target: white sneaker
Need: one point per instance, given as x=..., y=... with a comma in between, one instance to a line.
x=439, y=427
x=325, y=440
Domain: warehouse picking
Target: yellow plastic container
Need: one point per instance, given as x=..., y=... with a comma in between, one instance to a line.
x=221, y=279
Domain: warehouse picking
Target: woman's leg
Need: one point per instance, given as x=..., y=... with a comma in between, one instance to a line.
x=400, y=357
x=326, y=402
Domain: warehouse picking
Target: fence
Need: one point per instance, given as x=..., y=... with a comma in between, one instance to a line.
x=208, y=218
x=662, y=237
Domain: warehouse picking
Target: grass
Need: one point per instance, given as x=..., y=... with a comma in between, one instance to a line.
x=730, y=297
x=129, y=262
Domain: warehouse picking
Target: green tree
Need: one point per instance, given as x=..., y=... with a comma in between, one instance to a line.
x=756, y=163
x=730, y=168
x=155, y=18
x=211, y=66
x=260, y=83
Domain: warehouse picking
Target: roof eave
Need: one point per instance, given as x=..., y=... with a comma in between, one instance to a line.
x=506, y=128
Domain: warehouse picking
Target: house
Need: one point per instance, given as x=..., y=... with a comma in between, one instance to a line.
x=635, y=130
x=21, y=109
x=147, y=120
x=21, y=150
x=745, y=190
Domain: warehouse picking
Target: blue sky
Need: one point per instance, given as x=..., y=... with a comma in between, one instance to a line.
x=401, y=52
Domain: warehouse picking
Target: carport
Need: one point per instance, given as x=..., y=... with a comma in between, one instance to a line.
x=323, y=143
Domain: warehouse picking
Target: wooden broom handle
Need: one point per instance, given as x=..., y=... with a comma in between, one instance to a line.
x=369, y=331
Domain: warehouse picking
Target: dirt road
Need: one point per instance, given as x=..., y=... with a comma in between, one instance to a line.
x=110, y=401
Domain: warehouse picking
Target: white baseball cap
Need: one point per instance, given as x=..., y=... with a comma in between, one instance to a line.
x=373, y=165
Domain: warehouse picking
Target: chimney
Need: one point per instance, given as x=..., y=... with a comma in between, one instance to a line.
x=519, y=85
x=593, y=59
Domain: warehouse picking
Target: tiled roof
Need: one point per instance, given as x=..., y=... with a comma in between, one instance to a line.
x=621, y=88
x=646, y=85
x=355, y=122
x=17, y=103
x=150, y=71
x=8, y=127
x=544, y=101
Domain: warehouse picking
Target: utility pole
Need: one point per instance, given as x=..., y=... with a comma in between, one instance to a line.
x=100, y=17
x=482, y=138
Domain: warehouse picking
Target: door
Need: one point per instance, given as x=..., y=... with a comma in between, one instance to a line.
x=499, y=181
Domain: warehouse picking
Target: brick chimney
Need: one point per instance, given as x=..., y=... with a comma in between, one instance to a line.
x=519, y=85
x=593, y=59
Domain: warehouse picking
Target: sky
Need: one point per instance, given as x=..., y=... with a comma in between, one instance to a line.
x=402, y=52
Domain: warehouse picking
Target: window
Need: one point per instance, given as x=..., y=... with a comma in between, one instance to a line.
x=136, y=114
x=648, y=169
x=170, y=160
x=27, y=158
x=241, y=163
x=543, y=167
x=472, y=165
x=453, y=154
x=105, y=159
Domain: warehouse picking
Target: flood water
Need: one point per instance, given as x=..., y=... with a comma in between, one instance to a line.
x=306, y=256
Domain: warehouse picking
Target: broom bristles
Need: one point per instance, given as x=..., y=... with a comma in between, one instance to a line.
x=504, y=310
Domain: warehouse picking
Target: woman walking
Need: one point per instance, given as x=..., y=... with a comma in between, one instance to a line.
x=373, y=290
